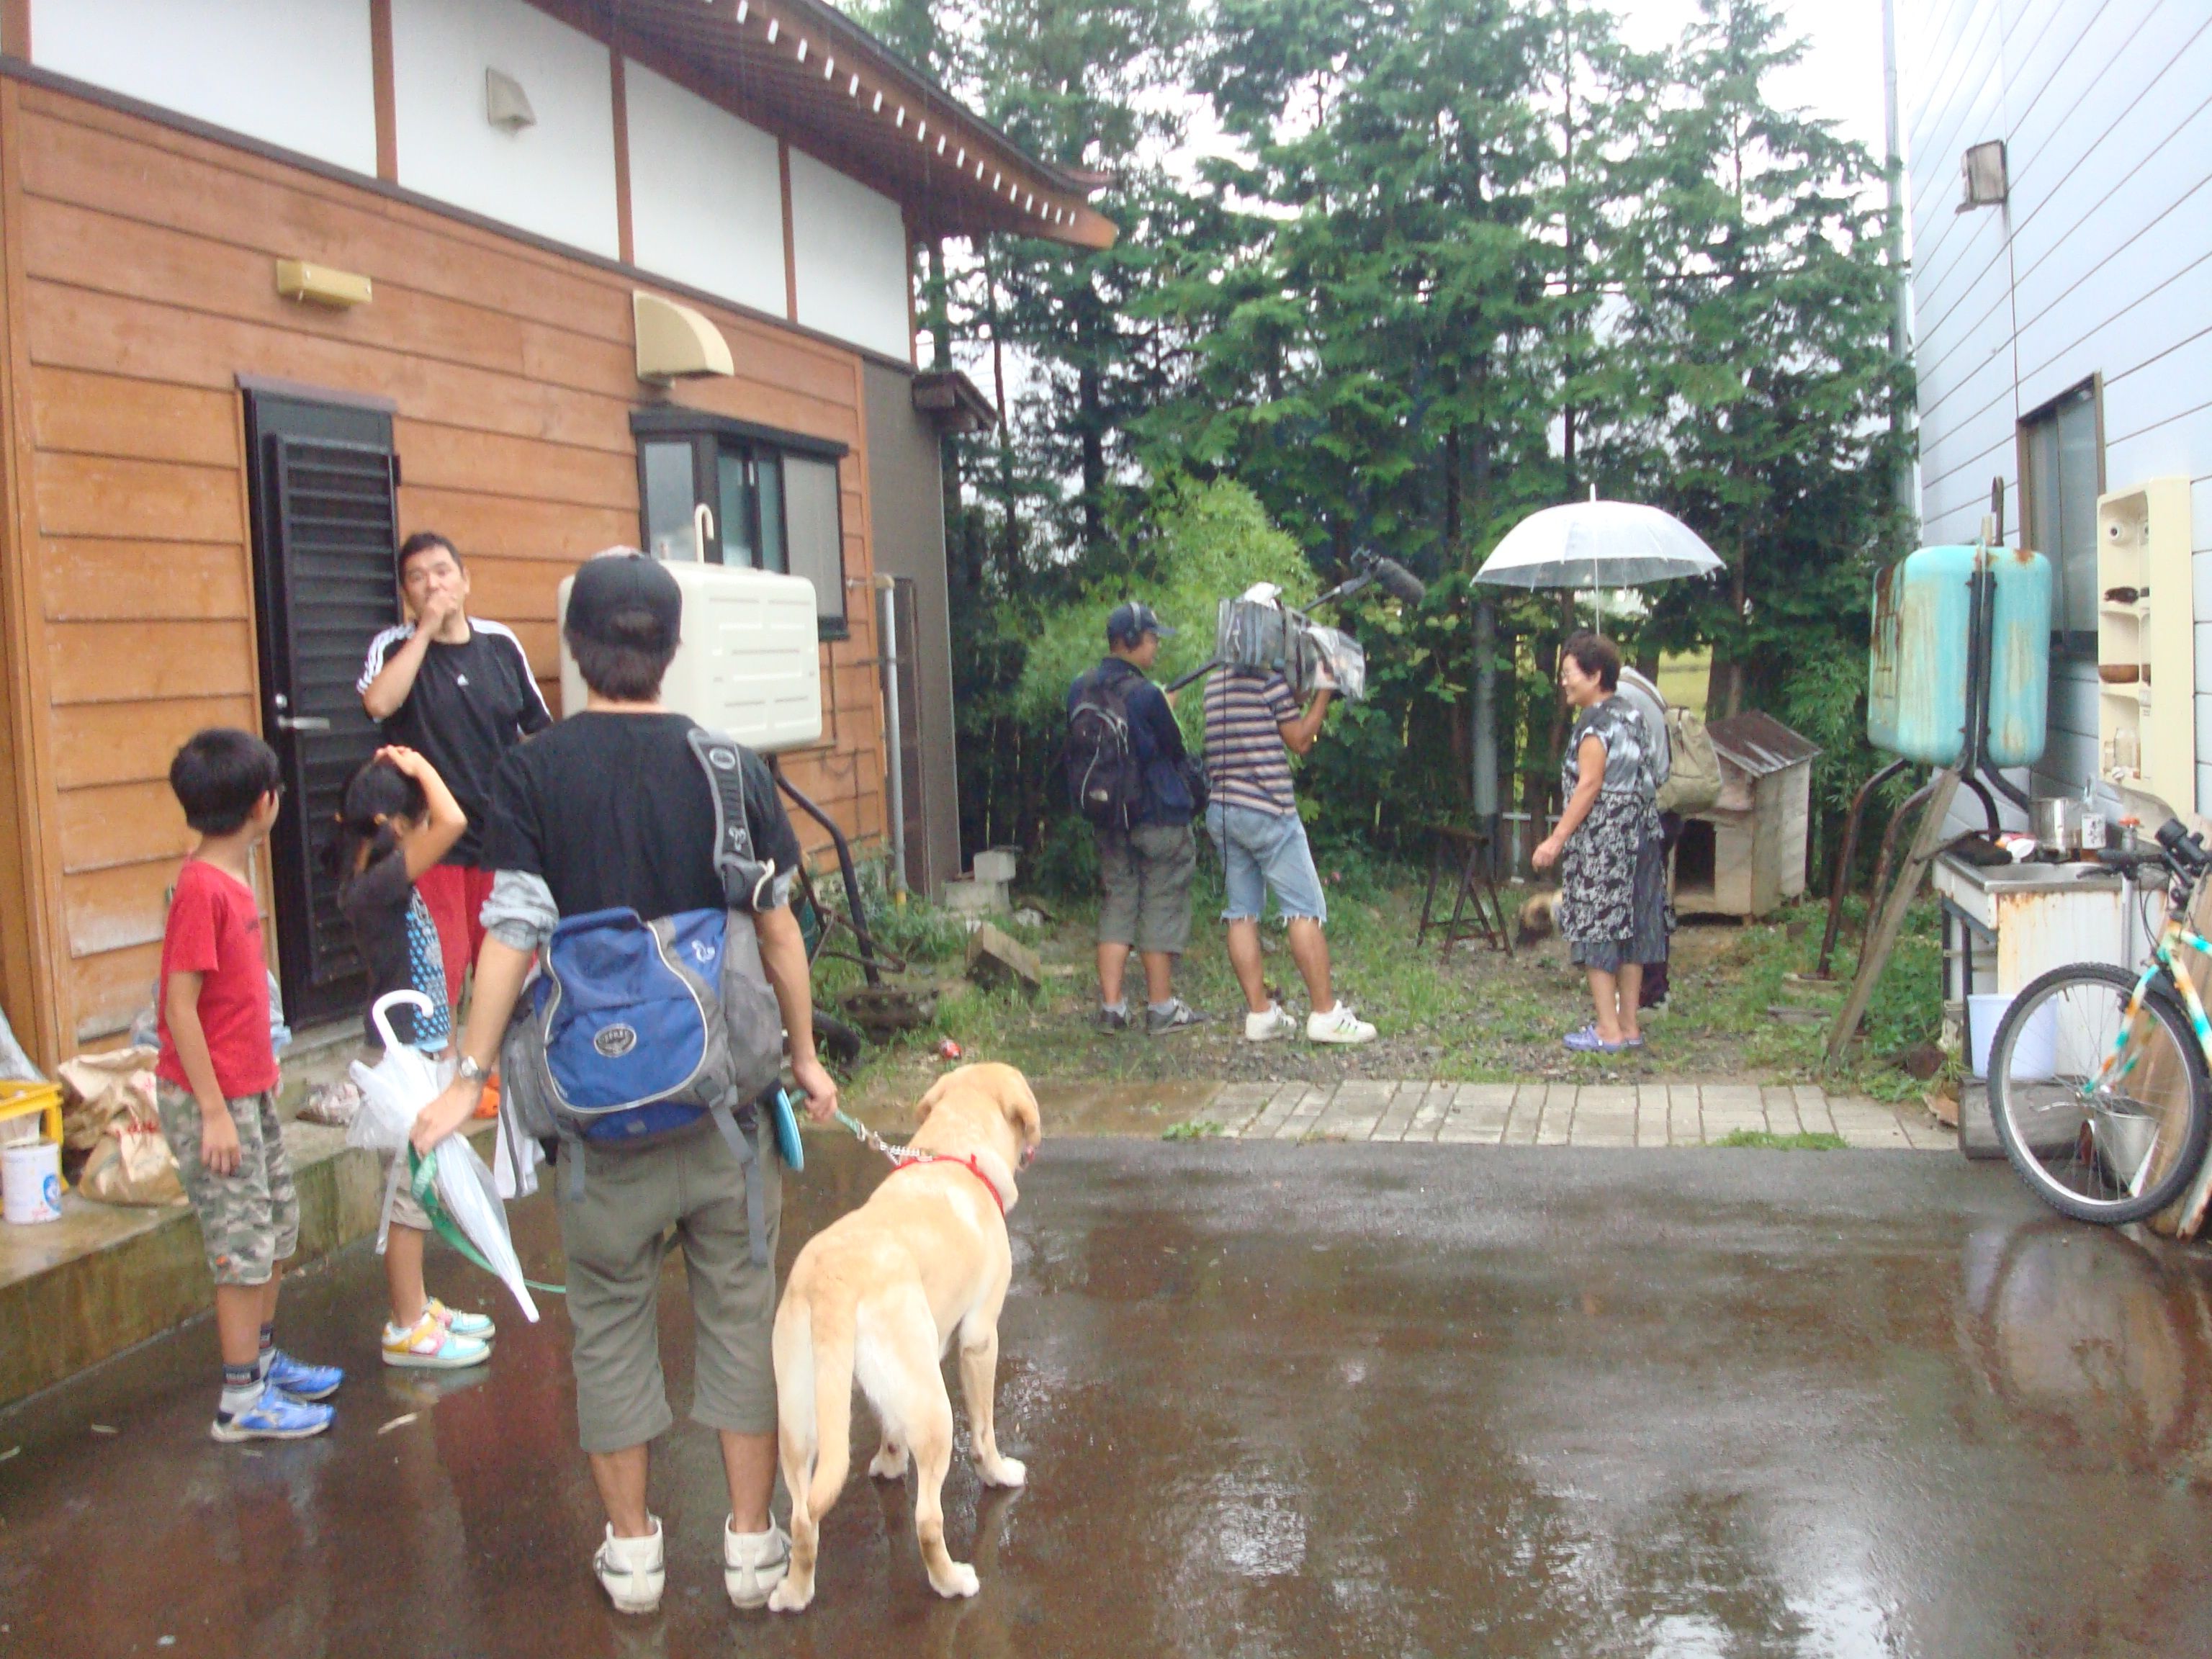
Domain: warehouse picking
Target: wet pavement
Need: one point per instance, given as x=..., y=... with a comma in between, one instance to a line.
x=1274, y=1399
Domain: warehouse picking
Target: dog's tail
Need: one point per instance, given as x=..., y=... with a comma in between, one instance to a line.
x=814, y=1394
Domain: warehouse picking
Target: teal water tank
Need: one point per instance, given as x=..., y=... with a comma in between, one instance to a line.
x=1917, y=677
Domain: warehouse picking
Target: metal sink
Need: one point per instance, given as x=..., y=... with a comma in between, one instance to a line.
x=2034, y=875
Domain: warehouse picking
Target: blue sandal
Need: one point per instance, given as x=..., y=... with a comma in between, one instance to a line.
x=1588, y=1042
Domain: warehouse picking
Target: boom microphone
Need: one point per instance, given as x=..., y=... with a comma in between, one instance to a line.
x=1398, y=582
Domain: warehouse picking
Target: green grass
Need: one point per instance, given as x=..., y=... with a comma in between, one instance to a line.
x=1198, y=1128
x=1476, y=1018
x=1767, y=1140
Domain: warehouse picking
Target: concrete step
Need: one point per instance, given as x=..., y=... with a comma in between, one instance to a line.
x=75, y=1291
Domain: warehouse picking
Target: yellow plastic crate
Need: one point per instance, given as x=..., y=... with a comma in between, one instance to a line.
x=23, y=1099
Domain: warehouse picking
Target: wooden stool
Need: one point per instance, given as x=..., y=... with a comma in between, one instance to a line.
x=1476, y=907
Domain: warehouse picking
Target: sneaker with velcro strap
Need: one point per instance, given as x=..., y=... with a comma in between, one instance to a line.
x=276, y=1415
x=300, y=1380
x=475, y=1325
x=432, y=1345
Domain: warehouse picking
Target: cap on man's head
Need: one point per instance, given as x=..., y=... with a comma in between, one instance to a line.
x=1130, y=623
x=620, y=585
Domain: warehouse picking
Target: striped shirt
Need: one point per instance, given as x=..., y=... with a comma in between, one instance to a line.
x=1245, y=763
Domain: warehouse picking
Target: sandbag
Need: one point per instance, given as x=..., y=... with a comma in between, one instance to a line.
x=97, y=1089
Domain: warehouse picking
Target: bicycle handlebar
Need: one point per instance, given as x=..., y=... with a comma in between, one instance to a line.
x=2185, y=853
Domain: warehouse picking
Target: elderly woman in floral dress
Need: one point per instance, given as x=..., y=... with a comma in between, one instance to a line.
x=1613, y=875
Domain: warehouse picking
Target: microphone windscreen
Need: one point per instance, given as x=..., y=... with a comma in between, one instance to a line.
x=1400, y=582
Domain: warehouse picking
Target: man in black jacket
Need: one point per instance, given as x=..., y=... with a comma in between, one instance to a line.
x=1147, y=869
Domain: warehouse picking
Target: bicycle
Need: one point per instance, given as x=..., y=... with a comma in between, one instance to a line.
x=2100, y=1079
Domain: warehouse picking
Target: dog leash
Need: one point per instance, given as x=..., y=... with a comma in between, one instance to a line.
x=869, y=1137
x=914, y=1158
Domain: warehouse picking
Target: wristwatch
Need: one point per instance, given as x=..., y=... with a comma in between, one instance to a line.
x=469, y=1070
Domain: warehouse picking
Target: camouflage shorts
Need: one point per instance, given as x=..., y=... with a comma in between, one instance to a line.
x=249, y=1221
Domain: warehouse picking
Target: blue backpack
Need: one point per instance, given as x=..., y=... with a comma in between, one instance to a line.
x=634, y=1031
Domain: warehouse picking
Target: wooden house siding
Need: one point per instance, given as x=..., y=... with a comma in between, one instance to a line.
x=139, y=271
x=2099, y=264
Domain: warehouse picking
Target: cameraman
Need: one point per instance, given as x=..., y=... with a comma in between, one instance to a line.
x=1253, y=727
x=1145, y=870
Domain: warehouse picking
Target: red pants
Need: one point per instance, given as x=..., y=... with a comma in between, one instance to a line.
x=454, y=894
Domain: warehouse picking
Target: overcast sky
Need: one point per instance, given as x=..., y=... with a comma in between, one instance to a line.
x=1840, y=77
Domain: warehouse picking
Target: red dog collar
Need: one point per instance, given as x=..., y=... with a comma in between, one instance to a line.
x=922, y=1161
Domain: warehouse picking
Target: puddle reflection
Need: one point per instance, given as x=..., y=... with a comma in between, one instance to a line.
x=2097, y=1341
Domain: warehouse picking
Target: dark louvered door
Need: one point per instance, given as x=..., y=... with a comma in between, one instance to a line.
x=326, y=521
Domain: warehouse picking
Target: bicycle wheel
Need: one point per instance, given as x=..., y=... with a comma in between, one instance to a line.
x=2103, y=1115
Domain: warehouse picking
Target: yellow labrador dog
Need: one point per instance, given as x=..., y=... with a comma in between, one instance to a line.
x=877, y=1295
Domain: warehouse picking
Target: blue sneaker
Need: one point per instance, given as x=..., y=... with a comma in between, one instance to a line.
x=276, y=1416
x=301, y=1381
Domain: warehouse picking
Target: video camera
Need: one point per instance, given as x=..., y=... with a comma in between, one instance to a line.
x=1268, y=635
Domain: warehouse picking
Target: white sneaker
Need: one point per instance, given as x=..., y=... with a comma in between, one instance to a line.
x=1339, y=1024
x=754, y=1563
x=630, y=1570
x=1266, y=1028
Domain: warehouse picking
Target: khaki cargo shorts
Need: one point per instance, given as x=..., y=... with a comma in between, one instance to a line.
x=249, y=1221
x=1146, y=872
x=635, y=1206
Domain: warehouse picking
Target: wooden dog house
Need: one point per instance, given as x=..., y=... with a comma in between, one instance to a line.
x=1745, y=854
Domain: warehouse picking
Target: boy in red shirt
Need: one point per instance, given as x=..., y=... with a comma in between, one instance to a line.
x=218, y=1085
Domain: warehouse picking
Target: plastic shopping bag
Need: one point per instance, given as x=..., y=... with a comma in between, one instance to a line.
x=394, y=1090
x=455, y=1188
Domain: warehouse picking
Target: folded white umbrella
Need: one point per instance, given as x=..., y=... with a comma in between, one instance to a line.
x=1597, y=544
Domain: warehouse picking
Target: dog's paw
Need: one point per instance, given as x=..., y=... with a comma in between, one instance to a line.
x=1009, y=1471
x=788, y=1597
x=889, y=1464
x=960, y=1580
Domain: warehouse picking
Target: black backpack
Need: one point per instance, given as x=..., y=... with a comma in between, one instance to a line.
x=1104, y=779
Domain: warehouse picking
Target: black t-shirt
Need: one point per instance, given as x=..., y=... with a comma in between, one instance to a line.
x=471, y=704
x=400, y=946
x=614, y=812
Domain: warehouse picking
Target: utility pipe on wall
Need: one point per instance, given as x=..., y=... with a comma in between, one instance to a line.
x=1900, y=277
x=893, y=748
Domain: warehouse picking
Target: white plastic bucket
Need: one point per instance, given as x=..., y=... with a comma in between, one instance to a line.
x=2034, y=1054
x=31, y=1183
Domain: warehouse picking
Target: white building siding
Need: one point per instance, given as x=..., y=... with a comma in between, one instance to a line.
x=2100, y=263
x=848, y=244
x=706, y=195
x=293, y=73
x=555, y=178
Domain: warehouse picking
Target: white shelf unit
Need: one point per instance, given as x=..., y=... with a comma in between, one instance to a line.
x=2146, y=724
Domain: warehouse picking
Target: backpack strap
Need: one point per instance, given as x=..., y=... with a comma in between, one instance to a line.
x=755, y=1187
x=745, y=879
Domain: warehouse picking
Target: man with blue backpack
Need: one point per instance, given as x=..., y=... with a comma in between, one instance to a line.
x=644, y=866
x=1129, y=774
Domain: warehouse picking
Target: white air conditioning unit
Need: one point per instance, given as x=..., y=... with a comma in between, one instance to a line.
x=750, y=663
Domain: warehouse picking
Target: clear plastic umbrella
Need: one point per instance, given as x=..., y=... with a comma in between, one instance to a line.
x=1598, y=545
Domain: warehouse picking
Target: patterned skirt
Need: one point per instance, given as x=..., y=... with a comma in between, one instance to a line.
x=1613, y=884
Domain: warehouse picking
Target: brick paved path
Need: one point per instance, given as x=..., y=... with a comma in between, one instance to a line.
x=1563, y=1114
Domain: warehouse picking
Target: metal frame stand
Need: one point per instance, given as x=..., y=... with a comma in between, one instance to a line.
x=1475, y=886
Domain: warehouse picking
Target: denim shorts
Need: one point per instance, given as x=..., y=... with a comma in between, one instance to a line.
x=1264, y=853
